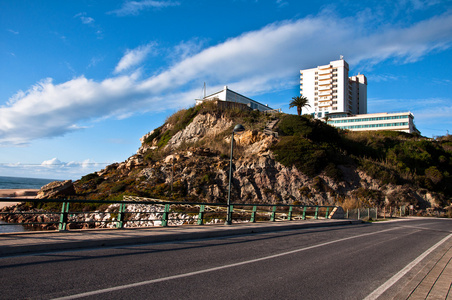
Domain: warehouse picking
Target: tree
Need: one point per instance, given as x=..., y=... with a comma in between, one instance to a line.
x=299, y=102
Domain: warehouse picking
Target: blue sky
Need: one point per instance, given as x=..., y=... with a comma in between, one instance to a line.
x=82, y=81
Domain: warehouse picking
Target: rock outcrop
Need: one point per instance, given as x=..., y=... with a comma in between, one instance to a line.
x=56, y=189
x=192, y=164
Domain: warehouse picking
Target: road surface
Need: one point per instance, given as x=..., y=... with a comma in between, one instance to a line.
x=342, y=262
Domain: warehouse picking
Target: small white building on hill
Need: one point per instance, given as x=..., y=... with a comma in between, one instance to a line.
x=228, y=95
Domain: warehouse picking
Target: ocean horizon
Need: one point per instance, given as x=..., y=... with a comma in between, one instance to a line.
x=9, y=182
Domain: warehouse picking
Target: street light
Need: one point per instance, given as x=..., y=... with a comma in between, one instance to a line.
x=237, y=129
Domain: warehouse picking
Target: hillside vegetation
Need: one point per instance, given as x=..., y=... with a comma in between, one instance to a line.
x=187, y=159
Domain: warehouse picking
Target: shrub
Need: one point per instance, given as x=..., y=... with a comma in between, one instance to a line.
x=120, y=187
x=156, y=132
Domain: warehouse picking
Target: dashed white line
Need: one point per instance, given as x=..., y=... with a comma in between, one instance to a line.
x=127, y=286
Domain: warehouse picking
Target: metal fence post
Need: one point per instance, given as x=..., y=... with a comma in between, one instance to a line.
x=253, y=214
x=289, y=215
x=273, y=215
x=63, y=216
x=358, y=215
x=327, y=211
x=120, y=223
x=201, y=215
x=304, y=213
x=316, y=216
x=231, y=208
x=165, y=215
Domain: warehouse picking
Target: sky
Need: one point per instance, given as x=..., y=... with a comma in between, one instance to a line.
x=82, y=81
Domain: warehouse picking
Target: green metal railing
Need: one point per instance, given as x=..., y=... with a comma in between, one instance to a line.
x=164, y=212
x=375, y=213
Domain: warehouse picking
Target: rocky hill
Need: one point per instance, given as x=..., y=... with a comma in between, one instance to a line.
x=280, y=158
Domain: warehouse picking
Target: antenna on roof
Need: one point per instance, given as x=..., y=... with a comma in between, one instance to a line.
x=341, y=57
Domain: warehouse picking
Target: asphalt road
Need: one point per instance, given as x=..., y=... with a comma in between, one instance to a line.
x=343, y=262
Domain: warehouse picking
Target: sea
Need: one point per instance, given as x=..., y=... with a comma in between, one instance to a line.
x=19, y=183
x=22, y=182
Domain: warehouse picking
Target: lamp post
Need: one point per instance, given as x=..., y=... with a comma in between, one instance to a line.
x=237, y=129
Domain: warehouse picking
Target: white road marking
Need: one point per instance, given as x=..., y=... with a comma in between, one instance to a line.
x=379, y=291
x=127, y=286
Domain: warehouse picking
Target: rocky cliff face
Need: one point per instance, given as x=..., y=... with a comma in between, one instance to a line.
x=193, y=165
x=187, y=159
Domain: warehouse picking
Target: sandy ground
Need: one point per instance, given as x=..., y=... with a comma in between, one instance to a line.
x=17, y=193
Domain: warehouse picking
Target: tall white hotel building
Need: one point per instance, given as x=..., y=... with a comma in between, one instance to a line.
x=331, y=92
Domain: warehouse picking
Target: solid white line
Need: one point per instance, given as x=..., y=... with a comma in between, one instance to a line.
x=379, y=291
x=126, y=286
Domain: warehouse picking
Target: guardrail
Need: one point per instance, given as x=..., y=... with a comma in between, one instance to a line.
x=374, y=213
x=143, y=212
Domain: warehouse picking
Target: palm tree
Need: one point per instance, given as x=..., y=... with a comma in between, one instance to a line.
x=299, y=102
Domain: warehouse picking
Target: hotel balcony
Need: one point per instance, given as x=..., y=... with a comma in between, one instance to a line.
x=323, y=83
x=325, y=76
x=324, y=73
x=321, y=105
x=325, y=67
x=324, y=89
x=325, y=80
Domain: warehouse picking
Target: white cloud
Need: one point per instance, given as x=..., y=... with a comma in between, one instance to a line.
x=255, y=62
x=51, y=162
x=381, y=77
x=135, y=7
x=90, y=22
x=133, y=57
x=84, y=18
x=281, y=3
x=52, y=168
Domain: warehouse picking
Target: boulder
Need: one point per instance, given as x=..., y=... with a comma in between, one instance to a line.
x=56, y=189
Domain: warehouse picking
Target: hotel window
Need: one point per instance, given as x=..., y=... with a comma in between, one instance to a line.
x=316, y=73
x=316, y=83
x=316, y=93
x=316, y=78
x=316, y=88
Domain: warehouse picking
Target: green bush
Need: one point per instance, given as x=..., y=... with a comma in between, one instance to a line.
x=301, y=153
